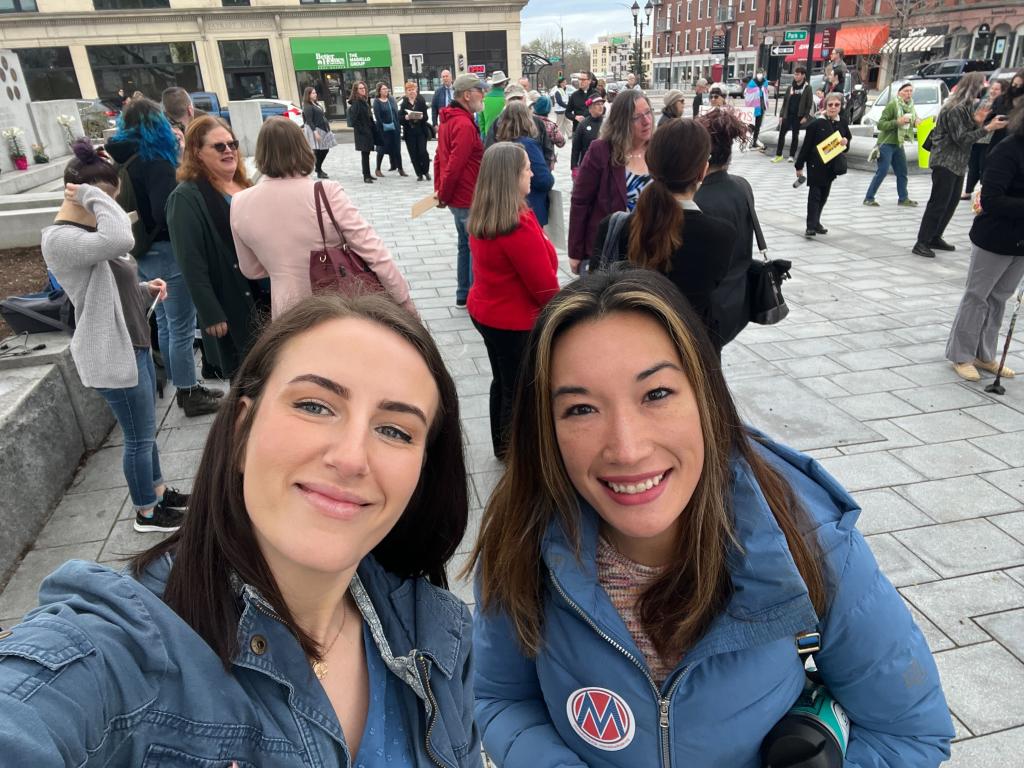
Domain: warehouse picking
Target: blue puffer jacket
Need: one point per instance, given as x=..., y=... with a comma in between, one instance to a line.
x=729, y=690
x=104, y=673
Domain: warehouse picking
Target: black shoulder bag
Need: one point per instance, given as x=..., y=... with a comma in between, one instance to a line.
x=765, y=301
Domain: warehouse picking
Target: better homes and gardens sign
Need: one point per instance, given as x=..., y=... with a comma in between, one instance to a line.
x=354, y=52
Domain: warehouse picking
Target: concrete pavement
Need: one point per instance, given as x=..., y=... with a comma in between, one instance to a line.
x=855, y=376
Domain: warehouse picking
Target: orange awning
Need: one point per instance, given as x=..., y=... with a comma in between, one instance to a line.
x=857, y=41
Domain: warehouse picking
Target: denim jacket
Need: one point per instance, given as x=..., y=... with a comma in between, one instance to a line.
x=105, y=673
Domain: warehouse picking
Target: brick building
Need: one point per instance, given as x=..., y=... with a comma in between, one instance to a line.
x=867, y=30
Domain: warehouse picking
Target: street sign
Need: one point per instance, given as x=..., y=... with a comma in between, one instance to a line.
x=828, y=37
x=554, y=59
x=769, y=39
x=718, y=44
x=783, y=50
x=416, y=63
x=794, y=35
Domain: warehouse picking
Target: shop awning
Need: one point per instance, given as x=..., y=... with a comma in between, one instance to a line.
x=911, y=44
x=800, y=50
x=352, y=52
x=864, y=40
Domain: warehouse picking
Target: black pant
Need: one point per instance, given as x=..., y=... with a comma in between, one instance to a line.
x=976, y=166
x=320, y=155
x=366, y=164
x=942, y=204
x=416, y=143
x=816, y=199
x=788, y=124
x=505, y=351
x=757, y=129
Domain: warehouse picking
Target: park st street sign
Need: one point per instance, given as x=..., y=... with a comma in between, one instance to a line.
x=795, y=35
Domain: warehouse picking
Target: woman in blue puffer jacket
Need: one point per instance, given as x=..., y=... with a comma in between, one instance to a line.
x=646, y=564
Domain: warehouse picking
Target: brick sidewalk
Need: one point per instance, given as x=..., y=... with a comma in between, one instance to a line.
x=855, y=376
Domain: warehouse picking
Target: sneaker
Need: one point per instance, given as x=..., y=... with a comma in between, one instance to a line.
x=810, y=232
x=967, y=371
x=920, y=249
x=198, y=401
x=174, y=499
x=908, y=203
x=163, y=520
x=777, y=159
x=938, y=244
x=790, y=159
x=461, y=303
x=993, y=367
x=821, y=230
x=874, y=203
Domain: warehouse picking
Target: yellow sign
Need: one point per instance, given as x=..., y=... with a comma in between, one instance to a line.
x=831, y=148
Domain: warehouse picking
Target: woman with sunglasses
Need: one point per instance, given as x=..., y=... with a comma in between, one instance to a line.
x=647, y=564
x=198, y=217
x=716, y=98
x=613, y=172
x=821, y=173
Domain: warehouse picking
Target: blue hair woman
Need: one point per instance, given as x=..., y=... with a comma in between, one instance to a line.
x=146, y=147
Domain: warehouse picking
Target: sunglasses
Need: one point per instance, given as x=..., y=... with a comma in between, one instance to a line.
x=223, y=147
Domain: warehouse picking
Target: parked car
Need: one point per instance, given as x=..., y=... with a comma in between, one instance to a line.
x=929, y=96
x=733, y=88
x=856, y=95
x=97, y=116
x=1003, y=73
x=951, y=70
x=209, y=103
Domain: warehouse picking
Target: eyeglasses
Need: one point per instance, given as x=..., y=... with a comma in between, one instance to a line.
x=717, y=96
x=223, y=147
x=639, y=117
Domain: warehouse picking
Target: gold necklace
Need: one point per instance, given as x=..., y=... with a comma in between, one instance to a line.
x=319, y=665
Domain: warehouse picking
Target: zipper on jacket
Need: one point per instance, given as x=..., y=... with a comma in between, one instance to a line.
x=433, y=712
x=664, y=702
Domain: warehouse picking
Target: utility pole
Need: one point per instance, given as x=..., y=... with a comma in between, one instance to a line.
x=810, y=37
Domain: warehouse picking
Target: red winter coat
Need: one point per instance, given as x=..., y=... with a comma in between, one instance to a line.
x=457, y=159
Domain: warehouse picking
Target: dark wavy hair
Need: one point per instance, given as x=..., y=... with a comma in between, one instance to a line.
x=144, y=121
x=90, y=165
x=217, y=540
x=725, y=129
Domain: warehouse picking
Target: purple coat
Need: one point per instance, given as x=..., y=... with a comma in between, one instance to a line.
x=599, y=190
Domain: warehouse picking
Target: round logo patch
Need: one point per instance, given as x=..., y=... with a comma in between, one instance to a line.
x=601, y=718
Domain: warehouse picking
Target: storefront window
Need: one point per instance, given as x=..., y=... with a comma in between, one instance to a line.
x=49, y=73
x=489, y=49
x=248, y=69
x=17, y=6
x=438, y=54
x=333, y=64
x=149, y=67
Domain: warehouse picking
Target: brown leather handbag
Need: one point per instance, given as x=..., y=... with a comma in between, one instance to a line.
x=335, y=269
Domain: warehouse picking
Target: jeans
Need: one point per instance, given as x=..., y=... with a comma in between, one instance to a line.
x=942, y=203
x=786, y=125
x=991, y=280
x=463, y=266
x=175, y=317
x=505, y=353
x=816, y=199
x=890, y=155
x=135, y=410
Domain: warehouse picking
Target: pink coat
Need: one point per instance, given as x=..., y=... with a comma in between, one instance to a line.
x=274, y=227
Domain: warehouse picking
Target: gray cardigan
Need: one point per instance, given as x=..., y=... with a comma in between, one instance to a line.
x=101, y=347
x=955, y=132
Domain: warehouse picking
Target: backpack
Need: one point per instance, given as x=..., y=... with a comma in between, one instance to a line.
x=127, y=200
x=609, y=253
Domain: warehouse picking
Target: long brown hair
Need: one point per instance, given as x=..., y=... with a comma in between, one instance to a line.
x=497, y=201
x=676, y=159
x=217, y=540
x=535, y=491
x=192, y=167
x=617, y=128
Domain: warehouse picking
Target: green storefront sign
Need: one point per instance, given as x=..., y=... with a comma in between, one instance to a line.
x=353, y=52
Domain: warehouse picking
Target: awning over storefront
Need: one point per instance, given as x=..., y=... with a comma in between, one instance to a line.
x=864, y=40
x=800, y=50
x=353, y=52
x=911, y=44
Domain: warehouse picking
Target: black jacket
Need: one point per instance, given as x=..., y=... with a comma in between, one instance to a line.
x=413, y=128
x=153, y=181
x=578, y=104
x=589, y=130
x=362, y=125
x=1000, y=225
x=698, y=267
x=821, y=174
x=805, y=105
x=698, y=101
x=726, y=197
x=315, y=118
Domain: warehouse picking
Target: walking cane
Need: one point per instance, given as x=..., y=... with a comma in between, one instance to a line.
x=996, y=387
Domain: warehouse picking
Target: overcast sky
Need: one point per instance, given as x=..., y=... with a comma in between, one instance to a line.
x=581, y=19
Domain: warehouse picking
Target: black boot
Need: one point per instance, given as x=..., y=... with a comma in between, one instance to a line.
x=197, y=401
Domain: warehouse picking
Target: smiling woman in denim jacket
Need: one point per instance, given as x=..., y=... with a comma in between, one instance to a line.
x=298, y=617
x=646, y=563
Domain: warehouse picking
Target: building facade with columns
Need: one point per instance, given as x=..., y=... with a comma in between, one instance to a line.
x=242, y=49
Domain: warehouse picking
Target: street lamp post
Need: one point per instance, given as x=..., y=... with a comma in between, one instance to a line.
x=638, y=29
x=670, y=50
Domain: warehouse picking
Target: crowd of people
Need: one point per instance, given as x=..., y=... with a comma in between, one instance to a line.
x=643, y=553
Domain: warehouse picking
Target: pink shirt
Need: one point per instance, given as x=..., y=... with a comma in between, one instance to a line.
x=274, y=227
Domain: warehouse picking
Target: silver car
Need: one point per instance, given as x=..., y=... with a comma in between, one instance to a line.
x=929, y=96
